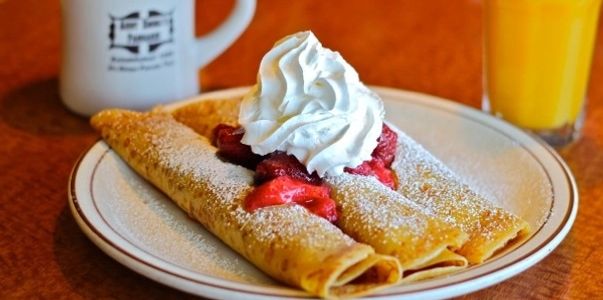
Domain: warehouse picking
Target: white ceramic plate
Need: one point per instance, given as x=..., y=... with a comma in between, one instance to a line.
x=141, y=228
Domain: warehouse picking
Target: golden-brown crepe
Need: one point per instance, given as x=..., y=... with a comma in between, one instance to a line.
x=425, y=180
x=286, y=241
x=370, y=212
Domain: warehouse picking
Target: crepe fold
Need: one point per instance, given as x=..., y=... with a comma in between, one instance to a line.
x=286, y=241
x=369, y=212
x=425, y=180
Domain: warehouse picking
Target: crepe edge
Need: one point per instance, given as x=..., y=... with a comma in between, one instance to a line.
x=354, y=273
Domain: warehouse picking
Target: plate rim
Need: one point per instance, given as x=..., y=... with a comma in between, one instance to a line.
x=443, y=290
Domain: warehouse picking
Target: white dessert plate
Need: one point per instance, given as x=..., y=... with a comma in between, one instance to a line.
x=140, y=227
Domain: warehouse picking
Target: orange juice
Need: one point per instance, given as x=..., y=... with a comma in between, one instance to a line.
x=537, y=59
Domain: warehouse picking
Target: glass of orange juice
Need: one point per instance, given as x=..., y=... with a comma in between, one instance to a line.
x=537, y=63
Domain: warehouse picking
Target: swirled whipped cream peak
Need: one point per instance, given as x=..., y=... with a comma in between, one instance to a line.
x=310, y=103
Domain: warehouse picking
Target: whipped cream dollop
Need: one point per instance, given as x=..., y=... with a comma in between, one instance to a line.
x=309, y=102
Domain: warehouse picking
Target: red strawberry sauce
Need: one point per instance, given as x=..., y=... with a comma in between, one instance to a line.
x=285, y=190
x=282, y=179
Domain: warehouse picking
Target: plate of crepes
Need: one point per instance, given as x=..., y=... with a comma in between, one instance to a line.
x=311, y=184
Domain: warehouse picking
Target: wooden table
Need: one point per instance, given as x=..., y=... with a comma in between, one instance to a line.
x=429, y=46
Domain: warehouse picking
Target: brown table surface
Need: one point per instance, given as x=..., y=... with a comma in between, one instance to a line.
x=429, y=46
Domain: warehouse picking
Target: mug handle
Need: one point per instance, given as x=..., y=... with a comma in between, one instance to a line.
x=214, y=43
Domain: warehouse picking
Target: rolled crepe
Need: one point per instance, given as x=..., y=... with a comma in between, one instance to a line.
x=286, y=241
x=425, y=180
x=370, y=212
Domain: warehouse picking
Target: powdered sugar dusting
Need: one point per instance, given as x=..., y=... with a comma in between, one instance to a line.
x=490, y=159
x=149, y=220
x=288, y=224
x=369, y=206
x=374, y=214
x=192, y=156
x=427, y=181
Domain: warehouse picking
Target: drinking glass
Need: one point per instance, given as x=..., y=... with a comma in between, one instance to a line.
x=537, y=58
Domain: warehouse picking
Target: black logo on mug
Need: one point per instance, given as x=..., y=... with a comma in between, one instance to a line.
x=136, y=32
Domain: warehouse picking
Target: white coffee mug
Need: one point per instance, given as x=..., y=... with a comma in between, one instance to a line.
x=137, y=53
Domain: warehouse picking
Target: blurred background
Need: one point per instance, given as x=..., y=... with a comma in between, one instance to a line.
x=425, y=47
x=418, y=51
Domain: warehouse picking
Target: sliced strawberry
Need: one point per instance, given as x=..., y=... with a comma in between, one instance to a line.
x=377, y=169
x=284, y=190
x=228, y=140
x=383, y=174
x=363, y=169
x=386, y=147
x=280, y=164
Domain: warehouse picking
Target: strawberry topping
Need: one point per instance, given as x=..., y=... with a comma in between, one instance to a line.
x=282, y=179
x=383, y=156
x=280, y=164
x=386, y=147
x=377, y=169
x=228, y=140
x=286, y=190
